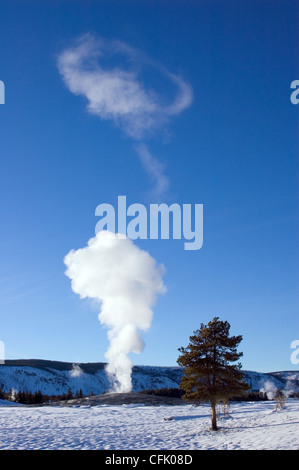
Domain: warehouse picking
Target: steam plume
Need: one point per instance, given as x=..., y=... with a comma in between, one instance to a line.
x=125, y=280
x=76, y=371
x=270, y=389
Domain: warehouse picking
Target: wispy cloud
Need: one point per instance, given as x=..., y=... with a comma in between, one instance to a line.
x=155, y=169
x=112, y=76
x=91, y=68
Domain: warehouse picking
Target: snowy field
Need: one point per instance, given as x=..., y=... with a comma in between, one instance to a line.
x=249, y=425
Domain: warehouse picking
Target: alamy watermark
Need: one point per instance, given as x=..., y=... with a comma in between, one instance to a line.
x=2, y=92
x=295, y=95
x=159, y=222
x=295, y=354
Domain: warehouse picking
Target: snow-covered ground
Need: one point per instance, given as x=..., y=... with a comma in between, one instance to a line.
x=249, y=425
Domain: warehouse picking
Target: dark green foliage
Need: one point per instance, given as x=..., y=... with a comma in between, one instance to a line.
x=206, y=361
x=29, y=398
x=165, y=392
x=251, y=396
x=79, y=394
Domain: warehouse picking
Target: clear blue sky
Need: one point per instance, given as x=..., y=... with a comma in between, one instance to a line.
x=234, y=149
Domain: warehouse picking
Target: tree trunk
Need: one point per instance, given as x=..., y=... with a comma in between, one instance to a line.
x=214, y=423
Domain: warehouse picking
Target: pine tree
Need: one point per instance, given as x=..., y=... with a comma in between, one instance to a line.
x=79, y=394
x=208, y=374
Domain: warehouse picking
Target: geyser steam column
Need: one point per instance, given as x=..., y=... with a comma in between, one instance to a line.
x=125, y=280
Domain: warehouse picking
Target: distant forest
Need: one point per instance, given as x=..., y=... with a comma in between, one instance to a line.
x=29, y=398
x=37, y=398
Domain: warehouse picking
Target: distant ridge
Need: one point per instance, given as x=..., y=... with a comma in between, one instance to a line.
x=57, y=377
x=45, y=364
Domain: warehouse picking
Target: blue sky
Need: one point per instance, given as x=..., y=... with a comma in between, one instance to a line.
x=232, y=146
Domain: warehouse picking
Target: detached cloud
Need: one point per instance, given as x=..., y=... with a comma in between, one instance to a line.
x=91, y=68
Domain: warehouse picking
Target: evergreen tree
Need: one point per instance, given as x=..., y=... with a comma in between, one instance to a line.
x=208, y=374
x=79, y=393
x=37, y=397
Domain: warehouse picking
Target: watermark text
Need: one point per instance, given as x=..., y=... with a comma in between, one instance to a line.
x=295, y=354
x=159, y=222
x=2, y=92
x=295, y=95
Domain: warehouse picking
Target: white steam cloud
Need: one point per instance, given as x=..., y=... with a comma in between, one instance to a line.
x=270, y=389
x=112, y=76
x=76, y=371
x=125, y=280
x=119, y=93
x=116, y=80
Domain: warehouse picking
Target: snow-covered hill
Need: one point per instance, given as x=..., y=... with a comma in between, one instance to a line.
x=55, y=378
